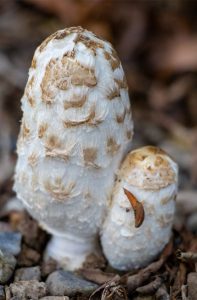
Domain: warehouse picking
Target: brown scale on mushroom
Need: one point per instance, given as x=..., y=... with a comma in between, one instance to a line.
x=58, y=189
x=52, y=142
x=25, y=130
x=33, y=63
x=54, y=149
x=28, y=89
x=46, y=41
x=89, y=156
x=122, y=84
x=77, y=73
x=120, y=118
x=33, y=159
x=31, y=101
x=60, y=74
x=113, y=59
x=112, y=146
x=60, y=35
x=47, y=84
x=107, y=55
x=90, y=120
x=129, y=134
x=42, y=130
x=90, y=44
x=113, y=94
x=58, y=154
x=77, y=102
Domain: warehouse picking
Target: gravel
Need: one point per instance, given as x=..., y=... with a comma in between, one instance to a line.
x=24, y=290
x=7, y=266
x=25, y=274
x=62, y=283
x=10, y=242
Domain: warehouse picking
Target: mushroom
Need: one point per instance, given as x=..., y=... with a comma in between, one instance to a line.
x=75, y=130
x=141, y=212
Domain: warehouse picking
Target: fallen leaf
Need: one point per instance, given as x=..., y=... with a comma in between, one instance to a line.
x=137, y=207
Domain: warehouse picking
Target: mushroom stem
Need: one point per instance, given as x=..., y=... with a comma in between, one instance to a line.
x=70, y=251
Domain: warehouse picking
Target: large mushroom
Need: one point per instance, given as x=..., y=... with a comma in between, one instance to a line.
x=76, y=128
x=141, y=212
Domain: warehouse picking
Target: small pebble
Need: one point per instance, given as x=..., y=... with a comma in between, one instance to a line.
x=48, y=266
x=24, y=290
x=25, y=274
x=61, y=283
x=10, y=242
x=192, y=286
x=7, y=266
x=2, y=293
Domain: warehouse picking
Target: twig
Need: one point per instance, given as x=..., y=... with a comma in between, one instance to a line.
x=186, y=256
x=184, y=292
x=162, y=293
x=135, y=281
x=150, y=288
x=97, y=276
x=111, y=282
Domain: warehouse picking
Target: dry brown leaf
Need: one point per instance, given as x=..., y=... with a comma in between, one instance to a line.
x=137, y=208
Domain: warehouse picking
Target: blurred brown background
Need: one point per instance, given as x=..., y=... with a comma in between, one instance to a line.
x=157, y=43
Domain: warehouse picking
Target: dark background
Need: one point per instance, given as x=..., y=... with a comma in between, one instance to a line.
x=157, y=44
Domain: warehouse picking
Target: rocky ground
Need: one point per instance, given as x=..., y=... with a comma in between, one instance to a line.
x=24, y=274
x=157, y=43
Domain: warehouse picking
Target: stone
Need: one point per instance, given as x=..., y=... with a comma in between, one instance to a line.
x=7, y=266
x=60, y=283
x=25, y=274
x=192, y=286
x=31, y=289
x=48, y=266
x=10, y=242
x=2, y=293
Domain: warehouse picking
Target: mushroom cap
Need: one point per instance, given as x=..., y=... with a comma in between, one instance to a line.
x=149, y=167
x=76, y=128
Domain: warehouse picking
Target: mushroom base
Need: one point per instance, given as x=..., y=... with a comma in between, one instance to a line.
x=70, y=251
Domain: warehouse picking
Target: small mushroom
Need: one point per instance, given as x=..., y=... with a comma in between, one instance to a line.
x=141, y=212
x=75, y=130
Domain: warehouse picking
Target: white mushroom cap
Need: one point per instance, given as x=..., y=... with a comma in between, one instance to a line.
x=149, y=175
x=76, y=128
